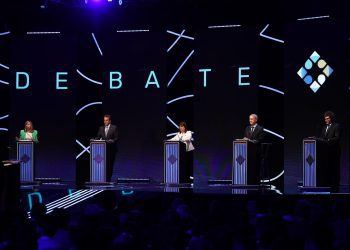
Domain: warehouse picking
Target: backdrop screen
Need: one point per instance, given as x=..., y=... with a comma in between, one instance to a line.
x=127, y=83
x=225, y=95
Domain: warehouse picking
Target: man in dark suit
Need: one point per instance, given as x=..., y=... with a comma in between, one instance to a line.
x=255, y=134
x=331, y=134
x=109, y=133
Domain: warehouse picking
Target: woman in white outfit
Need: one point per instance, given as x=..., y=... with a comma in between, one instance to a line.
x=184, y=135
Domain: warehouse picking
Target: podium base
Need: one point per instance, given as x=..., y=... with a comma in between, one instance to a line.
x=30, y=183
x=97, y=184
x=315, y=190
x=132, y=180
x=176, y=184
x=245, y=186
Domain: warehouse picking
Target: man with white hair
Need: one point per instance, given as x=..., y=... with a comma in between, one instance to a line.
x=254, y=132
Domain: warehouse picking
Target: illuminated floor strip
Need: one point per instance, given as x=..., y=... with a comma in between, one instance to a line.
x=67, y=201
x=73, y=201
x=96, y=193
x=64, y=197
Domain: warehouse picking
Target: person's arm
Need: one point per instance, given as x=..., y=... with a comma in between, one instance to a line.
x=187, y=136
x=35, y=136
x=259, y=136
x=21, y=135
x=98, y=135
x=114, y=136
x=336, y=138
x=175, y=138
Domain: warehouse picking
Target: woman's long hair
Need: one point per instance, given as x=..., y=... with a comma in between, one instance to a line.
x=31, y=126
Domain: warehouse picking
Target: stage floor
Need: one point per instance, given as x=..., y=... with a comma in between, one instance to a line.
x=67, y=195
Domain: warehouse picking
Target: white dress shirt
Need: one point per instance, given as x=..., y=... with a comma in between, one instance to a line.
x=29, y=136
x=185, y=138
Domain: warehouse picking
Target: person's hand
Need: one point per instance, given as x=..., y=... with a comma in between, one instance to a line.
x=109, y=141
x=17, y=138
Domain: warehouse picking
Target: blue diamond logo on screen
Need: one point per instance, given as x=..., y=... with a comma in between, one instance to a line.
x=315, y=72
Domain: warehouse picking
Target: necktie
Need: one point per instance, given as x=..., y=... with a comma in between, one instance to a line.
x=327, y=128
x=251, y=130
x=106, y=130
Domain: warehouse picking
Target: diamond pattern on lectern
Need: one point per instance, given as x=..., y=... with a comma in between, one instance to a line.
x=310, y=160
x=172, y=159
x=25, y=158
x=240, y=159
x=98, y=158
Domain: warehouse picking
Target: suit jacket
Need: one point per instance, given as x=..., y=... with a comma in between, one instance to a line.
x=257, y=136
x=332, y=137
x=112, y=133
x=185, y=138
x=22, y=135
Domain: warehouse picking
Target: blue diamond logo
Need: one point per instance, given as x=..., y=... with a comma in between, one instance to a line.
x=316, y=64
x=25, y=158
x=240, y=159
x=310, y=160
x=98, y=158
x=172, y=159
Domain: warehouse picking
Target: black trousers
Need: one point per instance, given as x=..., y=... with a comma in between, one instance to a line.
x=189, y=165
x=333, y=168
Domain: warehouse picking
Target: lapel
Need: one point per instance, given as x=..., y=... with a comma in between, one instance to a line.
x=329, y=129
x=108, y=131
x=254, y=131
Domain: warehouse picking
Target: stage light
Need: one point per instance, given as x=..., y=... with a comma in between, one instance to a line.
x=120, y=2
x=44, y=4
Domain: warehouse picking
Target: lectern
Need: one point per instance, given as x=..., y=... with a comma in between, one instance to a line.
x=98, y=161
x=174, y=162
x=315, y=158
x=25, y=154
x=245, y=163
